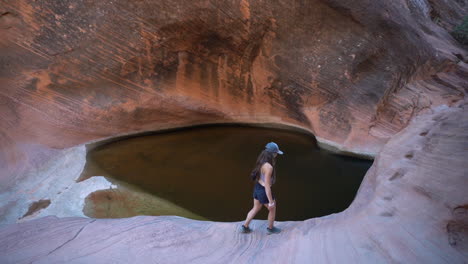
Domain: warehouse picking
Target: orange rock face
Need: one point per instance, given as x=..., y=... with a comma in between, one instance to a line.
x=352, y=73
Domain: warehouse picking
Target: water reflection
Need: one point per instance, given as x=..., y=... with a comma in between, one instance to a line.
x=205, y=171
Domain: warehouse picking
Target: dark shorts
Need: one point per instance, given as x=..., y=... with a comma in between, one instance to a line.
x=260, y=193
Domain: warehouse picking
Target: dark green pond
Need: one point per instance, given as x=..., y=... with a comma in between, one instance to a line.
x=205, y=170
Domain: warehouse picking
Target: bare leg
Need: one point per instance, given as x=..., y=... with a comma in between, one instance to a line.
x=256, y=207
x=271, y=215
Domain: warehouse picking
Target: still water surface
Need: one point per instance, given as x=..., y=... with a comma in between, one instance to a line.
x=205, y=170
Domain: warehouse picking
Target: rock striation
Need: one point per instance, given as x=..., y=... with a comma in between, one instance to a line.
x=410, y=208
x=353, y=73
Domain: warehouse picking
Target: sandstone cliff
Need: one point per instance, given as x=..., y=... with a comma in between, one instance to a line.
x=353, y=73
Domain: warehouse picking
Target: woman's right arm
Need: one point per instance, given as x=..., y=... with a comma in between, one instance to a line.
x=269, y=169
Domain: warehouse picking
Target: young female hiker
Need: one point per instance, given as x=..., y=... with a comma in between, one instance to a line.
x=264, y=174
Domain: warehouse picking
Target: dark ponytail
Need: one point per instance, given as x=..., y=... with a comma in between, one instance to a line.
x=265, y=156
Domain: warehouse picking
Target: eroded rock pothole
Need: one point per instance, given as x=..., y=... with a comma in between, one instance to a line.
x=203, y=173
x=36, y=206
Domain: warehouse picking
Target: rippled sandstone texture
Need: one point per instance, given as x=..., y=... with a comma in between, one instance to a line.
x=412, y=207
x=354, y=73
x=351, y=72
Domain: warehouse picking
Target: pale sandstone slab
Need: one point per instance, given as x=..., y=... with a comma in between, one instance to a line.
x=411, y=208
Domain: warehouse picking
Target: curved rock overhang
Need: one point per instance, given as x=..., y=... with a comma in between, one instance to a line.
x=352, y=73
x=411, y=208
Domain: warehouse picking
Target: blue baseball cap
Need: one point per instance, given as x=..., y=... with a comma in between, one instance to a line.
x=273, y=147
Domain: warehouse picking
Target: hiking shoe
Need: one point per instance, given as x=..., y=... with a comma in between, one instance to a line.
x=273, y=230
x=245, y=229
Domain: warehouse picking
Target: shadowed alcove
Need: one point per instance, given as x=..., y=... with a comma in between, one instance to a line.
x=203, y=173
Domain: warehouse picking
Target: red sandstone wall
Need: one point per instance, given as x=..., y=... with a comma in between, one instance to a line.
x=352, y=72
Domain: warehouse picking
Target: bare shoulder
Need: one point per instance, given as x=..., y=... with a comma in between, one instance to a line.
x=267, y=165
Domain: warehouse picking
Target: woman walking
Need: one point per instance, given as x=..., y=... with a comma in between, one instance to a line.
x=264, y=174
